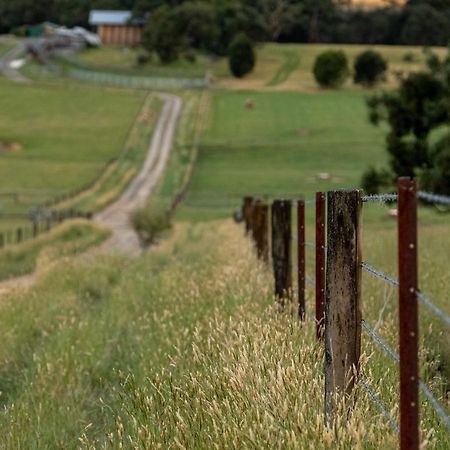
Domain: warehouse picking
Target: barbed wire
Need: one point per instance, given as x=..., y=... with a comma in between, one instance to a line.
x=436, y=405
x=427, y=302
x=434, y=198
x=379, y=274
x=382, y=198
x=379, y=403
x=377, y=338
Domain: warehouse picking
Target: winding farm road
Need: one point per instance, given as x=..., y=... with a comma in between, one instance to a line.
x=117, y=216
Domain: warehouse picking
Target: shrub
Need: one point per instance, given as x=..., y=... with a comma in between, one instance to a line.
x=143, y=58
x=241, y=56
x=369, y=67
x=331, y=68
x=373, y=180
x=150, y=223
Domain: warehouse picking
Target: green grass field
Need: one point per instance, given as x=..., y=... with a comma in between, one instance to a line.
x=195, y=357
x=59, y=137
x=125, y=61
x=182, y=347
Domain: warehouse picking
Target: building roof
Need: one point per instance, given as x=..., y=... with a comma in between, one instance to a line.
x=109, y=17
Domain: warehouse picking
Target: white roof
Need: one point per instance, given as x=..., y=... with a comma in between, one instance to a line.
x=109, y=17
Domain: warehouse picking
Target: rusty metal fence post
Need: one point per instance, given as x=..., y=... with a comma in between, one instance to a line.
x=408, y=314
x=343, y=292
x=301, y=258
x=282, y=249
x=320, y=262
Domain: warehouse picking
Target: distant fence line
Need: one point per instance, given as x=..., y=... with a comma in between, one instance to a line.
x=113, y=79
x=337, y=283
x=41, y=221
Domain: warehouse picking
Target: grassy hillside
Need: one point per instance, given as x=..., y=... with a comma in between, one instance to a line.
x=280, y=147
x=195, y=357
x=59, y=137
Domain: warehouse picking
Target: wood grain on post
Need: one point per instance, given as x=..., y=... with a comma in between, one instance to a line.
x=342, y=295
x=247, y=210
x=408, y=314
x=260, y=230
x=301, y=258
x=281, y=249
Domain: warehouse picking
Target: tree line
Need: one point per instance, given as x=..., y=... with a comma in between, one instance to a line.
x=419, y=22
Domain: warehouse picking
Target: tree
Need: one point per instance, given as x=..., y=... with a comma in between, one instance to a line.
x=241, y=56
x=420, y=106
x=369, y=68
x=331, y=68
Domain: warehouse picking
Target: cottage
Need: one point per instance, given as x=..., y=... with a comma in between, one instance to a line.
x=117, y=27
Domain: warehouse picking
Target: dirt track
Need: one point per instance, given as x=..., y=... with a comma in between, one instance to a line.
x=117, y=216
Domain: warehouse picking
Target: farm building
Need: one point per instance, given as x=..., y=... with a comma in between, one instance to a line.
x=117, y=27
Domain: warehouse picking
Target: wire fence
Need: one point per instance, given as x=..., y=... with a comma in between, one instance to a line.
x=409, y=293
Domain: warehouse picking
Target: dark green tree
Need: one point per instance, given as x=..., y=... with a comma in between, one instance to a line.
x=420, y=106
x=369, y=68
x=242, y=56
x=331, y=68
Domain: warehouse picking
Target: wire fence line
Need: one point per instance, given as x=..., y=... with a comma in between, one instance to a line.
x=377, y=338
x=382, y=198
x=379, y=403
x=421, y=297
x=380, y=275
x=436, y=405
x=434, y=198
x=427, y=302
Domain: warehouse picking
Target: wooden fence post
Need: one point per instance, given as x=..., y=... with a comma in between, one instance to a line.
x=2, y=240
x=247, y=210
x=19, y=235
x=281, y=249
x=342, y=298
x=301, y=258
x=320, y=263
x=408, y=314
x=260, y=229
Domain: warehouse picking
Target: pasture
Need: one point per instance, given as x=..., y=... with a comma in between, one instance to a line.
x=197, y=356
x=59, y=137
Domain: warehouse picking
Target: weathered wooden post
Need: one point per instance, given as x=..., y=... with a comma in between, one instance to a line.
x=320, y=262
x=281, y=249
x=408, y=314
x=342, y=297
x=260, y=229
x=301, y=258
x=35, y=228
x=247, y=210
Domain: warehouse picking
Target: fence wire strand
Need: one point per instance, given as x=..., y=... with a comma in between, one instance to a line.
x=377, y=338
x=379, y=274
x=380, y=404
x=382, y=198
x=435, y=403
x=434, y=198
x=427, y=302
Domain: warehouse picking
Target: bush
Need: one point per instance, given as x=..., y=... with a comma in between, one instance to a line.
x=150, y=223
x=331, y=68
x=241, y=56
x=373, y=181
x=369, y=67
x=143, y=58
